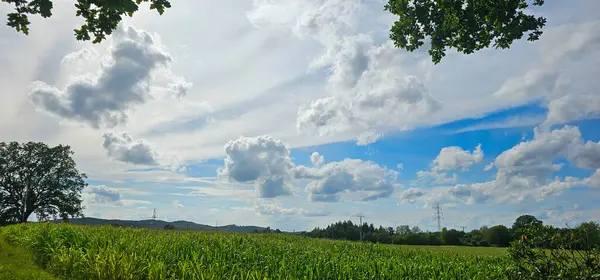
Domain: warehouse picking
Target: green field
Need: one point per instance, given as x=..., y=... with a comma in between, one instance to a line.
x=81, y=252
x=17, y=265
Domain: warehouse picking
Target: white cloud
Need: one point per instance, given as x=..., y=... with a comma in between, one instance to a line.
x=411, y=195
x=565, y=44
x=384, y=100
x=517, y=121
x=449, y=159
x=122, y=147
x=217, y=191
x=102, y=195
x=363, y=179
x=455, y=158
x=400, y=166
x=437, y=176
x=105, y=99
x=537, y=156
x=562, y=76
x=177, y=204
x=573, y=107
x=370, y=91
x=368, y=137
x=526, y=170
x=448, y=196
x=107, y=196
x=316, y=159
x=594, y=180
x=274, y=208
x=263, y=161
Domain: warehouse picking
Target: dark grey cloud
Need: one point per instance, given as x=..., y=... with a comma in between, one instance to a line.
x=121, y=85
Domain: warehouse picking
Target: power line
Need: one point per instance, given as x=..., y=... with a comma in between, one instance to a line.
x=438, y=216
x=361, y=226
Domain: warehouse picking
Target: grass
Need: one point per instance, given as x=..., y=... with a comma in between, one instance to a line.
x=17, y=265
x=75, y=252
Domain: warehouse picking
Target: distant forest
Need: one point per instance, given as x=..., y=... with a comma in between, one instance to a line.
x=587, y=234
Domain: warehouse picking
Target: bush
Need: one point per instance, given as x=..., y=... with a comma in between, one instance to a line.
x=551, y=253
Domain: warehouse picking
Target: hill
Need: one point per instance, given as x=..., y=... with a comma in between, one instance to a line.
x=159, y=224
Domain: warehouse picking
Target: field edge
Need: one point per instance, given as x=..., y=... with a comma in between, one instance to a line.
x=16, y=264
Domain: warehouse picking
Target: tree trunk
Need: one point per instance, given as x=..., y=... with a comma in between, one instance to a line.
x=29, y=208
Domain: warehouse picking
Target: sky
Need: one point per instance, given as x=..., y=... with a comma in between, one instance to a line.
x=295, y=114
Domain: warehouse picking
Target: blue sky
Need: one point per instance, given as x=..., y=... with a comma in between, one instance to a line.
x=296, y=114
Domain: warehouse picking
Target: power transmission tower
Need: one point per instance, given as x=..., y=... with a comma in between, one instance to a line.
x=153, y=217
x=438, y=216
x=463, y=228
x=361, y=226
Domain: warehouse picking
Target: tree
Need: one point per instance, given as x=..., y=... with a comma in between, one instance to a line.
x=524, y=222
x=101, y=17
x=498, y=235
x=416, y=229
x=35, y=178
x=587, y=235
x=403, y=230
x=451, y=236
x=465, y=25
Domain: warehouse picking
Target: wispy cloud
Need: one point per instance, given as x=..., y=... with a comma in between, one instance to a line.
x=510, y=122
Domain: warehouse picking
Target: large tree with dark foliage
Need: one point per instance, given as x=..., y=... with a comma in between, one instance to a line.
x=36, y=178
x=524, y=222
x=466, y=25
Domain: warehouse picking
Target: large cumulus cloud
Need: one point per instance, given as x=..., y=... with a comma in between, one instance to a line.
x=124, y=82
x=374, y=87
x=263, y=160
x=266, y=162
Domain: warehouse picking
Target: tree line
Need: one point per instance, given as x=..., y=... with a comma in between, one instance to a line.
x=585, y=234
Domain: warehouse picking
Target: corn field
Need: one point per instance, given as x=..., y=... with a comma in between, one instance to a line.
x=80, y=252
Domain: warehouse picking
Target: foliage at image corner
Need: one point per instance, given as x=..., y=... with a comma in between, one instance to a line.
x=465, y=25
x=548, y=252
x=101, y=16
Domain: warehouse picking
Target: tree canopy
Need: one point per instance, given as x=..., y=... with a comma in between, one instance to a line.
x=101, y=17
x=466, y=25
x=36, y=178
x=524, y=222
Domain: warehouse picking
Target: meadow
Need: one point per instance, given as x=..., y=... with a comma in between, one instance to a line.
x=86, y=252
